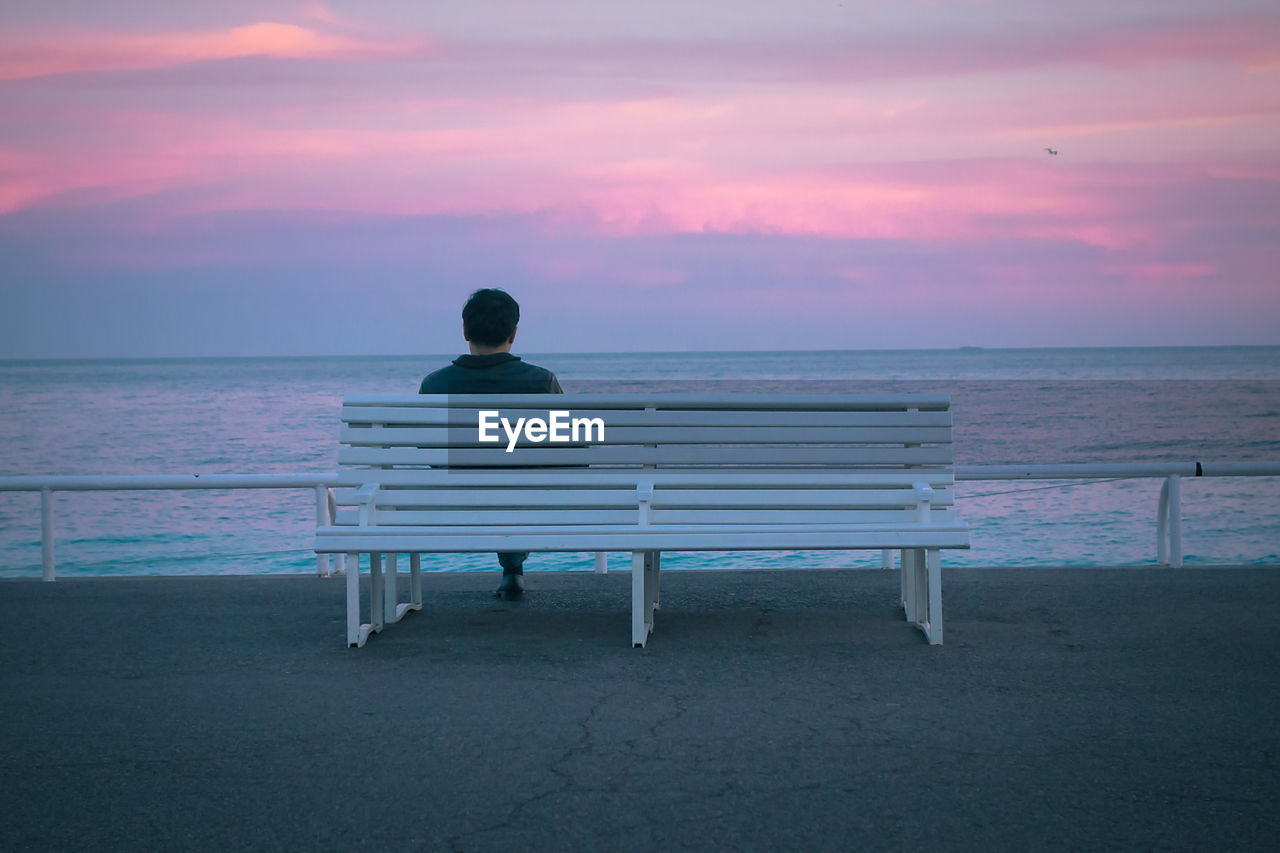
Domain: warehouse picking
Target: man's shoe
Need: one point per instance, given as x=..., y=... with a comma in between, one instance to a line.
x=511, y=588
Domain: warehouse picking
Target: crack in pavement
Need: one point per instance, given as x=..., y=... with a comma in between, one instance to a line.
x=581, y=745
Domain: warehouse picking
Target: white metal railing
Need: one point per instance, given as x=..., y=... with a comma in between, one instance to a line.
x=1169, y=509
x=47, y=486
x=1168, y=512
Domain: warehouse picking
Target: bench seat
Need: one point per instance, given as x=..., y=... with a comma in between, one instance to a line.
x=675, y=537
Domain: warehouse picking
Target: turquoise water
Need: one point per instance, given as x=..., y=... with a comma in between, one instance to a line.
x=239, y=416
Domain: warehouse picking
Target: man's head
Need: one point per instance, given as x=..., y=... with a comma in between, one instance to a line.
x=489, y=319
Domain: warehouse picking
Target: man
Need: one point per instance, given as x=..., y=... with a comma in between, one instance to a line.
x=489, y=321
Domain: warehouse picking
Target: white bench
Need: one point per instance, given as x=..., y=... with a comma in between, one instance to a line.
x=674, y=472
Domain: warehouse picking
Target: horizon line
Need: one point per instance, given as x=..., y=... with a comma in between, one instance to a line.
x=11, y=360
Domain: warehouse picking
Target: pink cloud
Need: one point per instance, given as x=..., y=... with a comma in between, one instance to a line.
x=562, y=169
x=330, y=18
x=1159, y=272
x=1240, y=40
x=601, y=272
x=112, y=52
x=1249, y=41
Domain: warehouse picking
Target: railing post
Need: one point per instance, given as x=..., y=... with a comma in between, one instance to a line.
x=1162, y=525
x=46, y=533
x=322, y=520
x=1175, y=521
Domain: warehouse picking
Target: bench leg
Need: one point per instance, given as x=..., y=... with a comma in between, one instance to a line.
x=383, y=607
x=932, y=626
x=920, y=585
x=908, y=559
x=355, y=636
x=397, y=609
x=377, y=619
x=415, y=580
x=652, y=567
x=641, y=609
x=922, y=591
x=389, y=591
x=357, y=632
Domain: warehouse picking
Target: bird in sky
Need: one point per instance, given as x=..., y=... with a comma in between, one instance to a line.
x=1051, y=151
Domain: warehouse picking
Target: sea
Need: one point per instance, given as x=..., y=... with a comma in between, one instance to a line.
x=1009, y=406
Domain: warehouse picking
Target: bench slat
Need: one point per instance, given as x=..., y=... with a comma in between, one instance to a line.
x=663, y=496
x=732, y=517
x=468, y=436
x=438, y=417
x=632, y=538
x=578, y=516
x=667, y=455
x=552, y=478
x=493, y=516
x=659, y=401
x=498, y=496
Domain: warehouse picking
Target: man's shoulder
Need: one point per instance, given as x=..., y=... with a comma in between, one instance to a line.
x=438, y=381
x=507, y=376
x=534, y=369
x=521, y=377
x=544, y=376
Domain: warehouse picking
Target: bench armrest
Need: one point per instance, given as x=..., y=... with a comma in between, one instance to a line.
x=924, y=498
x=644, y=497
x=368, y=509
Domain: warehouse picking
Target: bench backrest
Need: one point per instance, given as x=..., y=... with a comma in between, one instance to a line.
x=683, y=459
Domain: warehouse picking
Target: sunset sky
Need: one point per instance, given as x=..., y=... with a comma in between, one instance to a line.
x=305, y=178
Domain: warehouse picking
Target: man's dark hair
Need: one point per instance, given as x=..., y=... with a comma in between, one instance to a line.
x=490, y=316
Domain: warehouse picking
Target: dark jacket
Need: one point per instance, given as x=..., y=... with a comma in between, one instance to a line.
x=499, y=373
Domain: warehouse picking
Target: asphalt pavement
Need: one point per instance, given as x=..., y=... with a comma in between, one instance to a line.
x=1070, y=709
